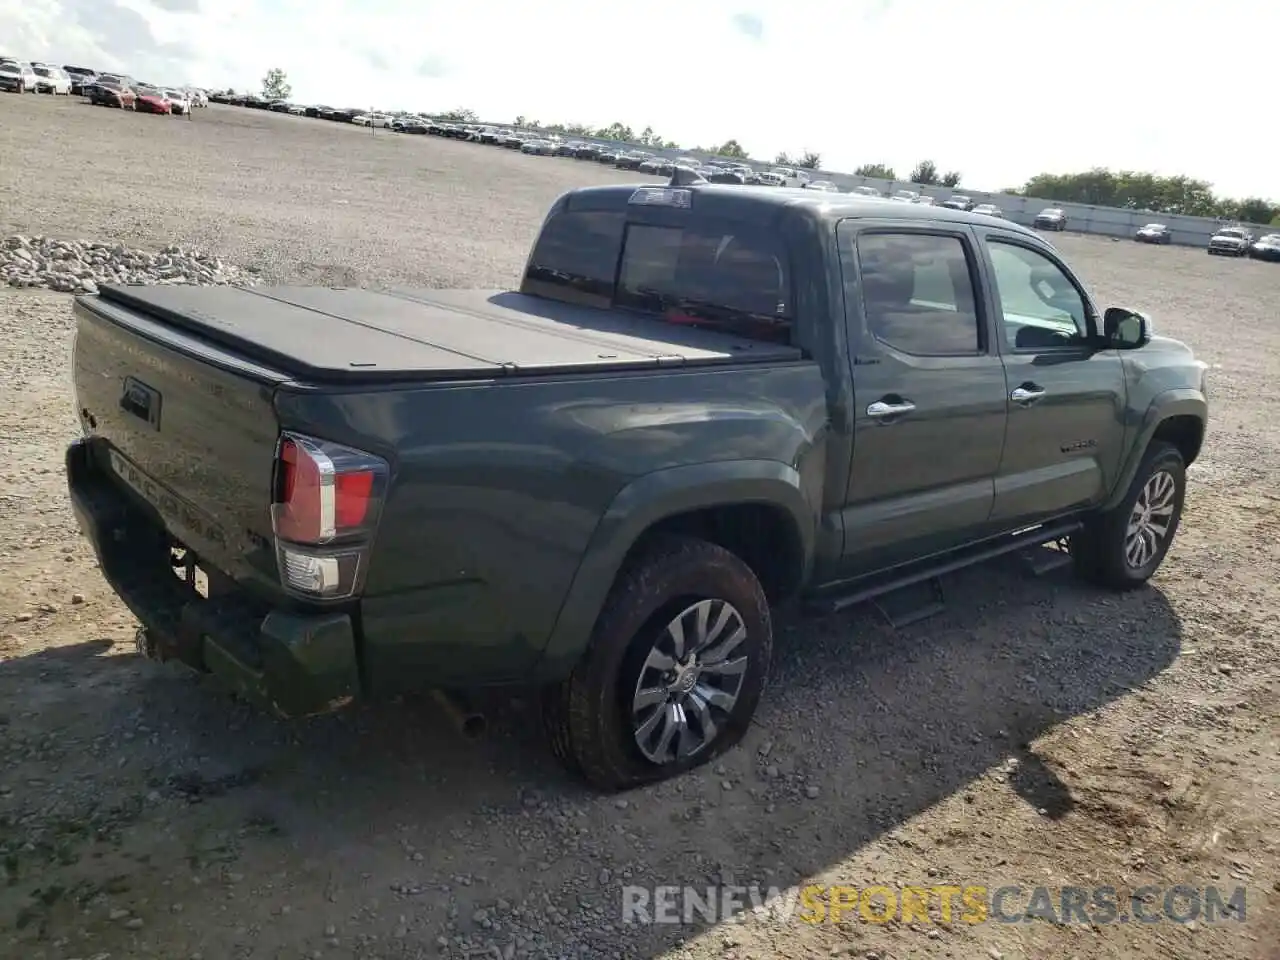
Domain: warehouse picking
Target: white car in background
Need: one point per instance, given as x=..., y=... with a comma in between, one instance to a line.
x=17, y=76
x=179, y=102
x=372, y=120
x=51, y=79
x=196, y=96
x=988, y=210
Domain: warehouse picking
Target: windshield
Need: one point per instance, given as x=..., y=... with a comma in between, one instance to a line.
x=43, y=71
x=9, y=68
x=173, y=94
x=1237, y=234
x=1154, y=226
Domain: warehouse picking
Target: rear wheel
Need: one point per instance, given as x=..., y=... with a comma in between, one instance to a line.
x=676, y=666
x=1123, y=547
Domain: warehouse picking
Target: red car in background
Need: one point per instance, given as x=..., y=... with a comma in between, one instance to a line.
x=151, y=100
x=112, y=93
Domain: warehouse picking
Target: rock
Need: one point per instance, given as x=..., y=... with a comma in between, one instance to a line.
x=812, y=792
x=133, y=923
x=79, y=266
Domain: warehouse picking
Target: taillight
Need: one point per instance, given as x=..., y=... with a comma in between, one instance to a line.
x=325, y=511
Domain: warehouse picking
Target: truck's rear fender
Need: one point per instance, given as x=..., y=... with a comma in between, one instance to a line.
x=499, y=491
x=782, y=502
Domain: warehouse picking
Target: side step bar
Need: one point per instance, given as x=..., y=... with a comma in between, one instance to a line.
x=859, y=591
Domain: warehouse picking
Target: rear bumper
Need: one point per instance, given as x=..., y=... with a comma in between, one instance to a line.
x=295, y=664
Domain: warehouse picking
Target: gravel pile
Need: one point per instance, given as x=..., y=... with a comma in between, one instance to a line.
x=78, y=266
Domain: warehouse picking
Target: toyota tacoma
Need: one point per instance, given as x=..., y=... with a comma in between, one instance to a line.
x=701, y=403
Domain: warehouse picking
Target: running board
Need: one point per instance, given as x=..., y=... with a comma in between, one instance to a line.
x=874, y=586
x=1046, y=558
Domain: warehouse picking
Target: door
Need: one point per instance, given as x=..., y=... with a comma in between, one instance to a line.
x=1065, y=431
x=929, y=393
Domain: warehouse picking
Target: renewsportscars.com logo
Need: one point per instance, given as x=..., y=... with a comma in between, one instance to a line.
x=933, y=903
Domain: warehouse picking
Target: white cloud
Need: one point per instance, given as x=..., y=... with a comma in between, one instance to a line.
x=999, y=89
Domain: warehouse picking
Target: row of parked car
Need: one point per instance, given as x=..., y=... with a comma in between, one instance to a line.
x=1230, y=240
x=23, y=76
x=1241, y=242
x=105, y=89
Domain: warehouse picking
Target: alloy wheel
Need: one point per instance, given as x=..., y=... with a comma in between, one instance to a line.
x=1150, y=519
x=689, y=683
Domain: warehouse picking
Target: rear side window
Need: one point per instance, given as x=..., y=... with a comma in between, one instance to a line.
x=918, y=294
x=724, y=277
x=576, y=257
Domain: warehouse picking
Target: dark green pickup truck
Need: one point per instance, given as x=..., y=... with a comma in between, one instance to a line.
x=703, y=401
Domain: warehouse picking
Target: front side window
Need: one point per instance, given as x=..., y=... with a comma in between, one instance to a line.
x=918, y=293
x=724, y=277
x=1040, y=306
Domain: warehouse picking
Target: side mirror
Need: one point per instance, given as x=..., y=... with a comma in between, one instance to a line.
x=1125, y=329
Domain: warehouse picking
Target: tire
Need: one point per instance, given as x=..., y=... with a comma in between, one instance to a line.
x=1100, y=549
x=590, y=718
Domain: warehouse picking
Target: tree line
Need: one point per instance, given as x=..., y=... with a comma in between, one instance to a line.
x=1099, y=186
x=1147, y=191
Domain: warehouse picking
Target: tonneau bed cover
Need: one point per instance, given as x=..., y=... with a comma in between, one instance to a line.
x=330, y=334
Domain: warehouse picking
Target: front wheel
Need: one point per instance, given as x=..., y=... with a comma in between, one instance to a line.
x=676, y=666
x=1123, y=547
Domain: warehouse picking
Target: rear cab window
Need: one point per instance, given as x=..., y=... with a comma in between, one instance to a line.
x=705, y=271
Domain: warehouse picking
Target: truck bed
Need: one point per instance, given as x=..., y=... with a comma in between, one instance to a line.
x=336, y=334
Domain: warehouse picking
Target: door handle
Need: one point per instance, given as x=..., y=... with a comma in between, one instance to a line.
x=882, y=409
x=1027, y=394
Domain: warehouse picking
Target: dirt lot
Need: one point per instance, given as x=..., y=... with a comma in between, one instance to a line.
x=1037, y=733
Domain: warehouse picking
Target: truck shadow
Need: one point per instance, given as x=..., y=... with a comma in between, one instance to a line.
x=862, y=728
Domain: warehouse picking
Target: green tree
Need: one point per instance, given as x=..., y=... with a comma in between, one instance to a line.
x=1256, y=210
x=809, y=160
x=275, y=85
x=1136, y=191
x=951, y=179
x=616, y=131
x=783, y=160
x=925, y=173
x=460, y=115
x=879, y=171
x=521, y=121
x=730, y=148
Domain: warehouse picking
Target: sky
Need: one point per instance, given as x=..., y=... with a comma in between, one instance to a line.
x=996, y=89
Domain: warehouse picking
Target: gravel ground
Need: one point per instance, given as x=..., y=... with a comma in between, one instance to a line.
x=1036, y=733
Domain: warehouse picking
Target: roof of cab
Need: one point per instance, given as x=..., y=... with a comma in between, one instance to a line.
x=820, y=205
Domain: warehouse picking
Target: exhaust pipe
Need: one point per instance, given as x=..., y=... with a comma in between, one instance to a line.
x=466, y=718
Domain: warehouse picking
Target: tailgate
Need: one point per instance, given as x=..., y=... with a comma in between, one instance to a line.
x=187, y=427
